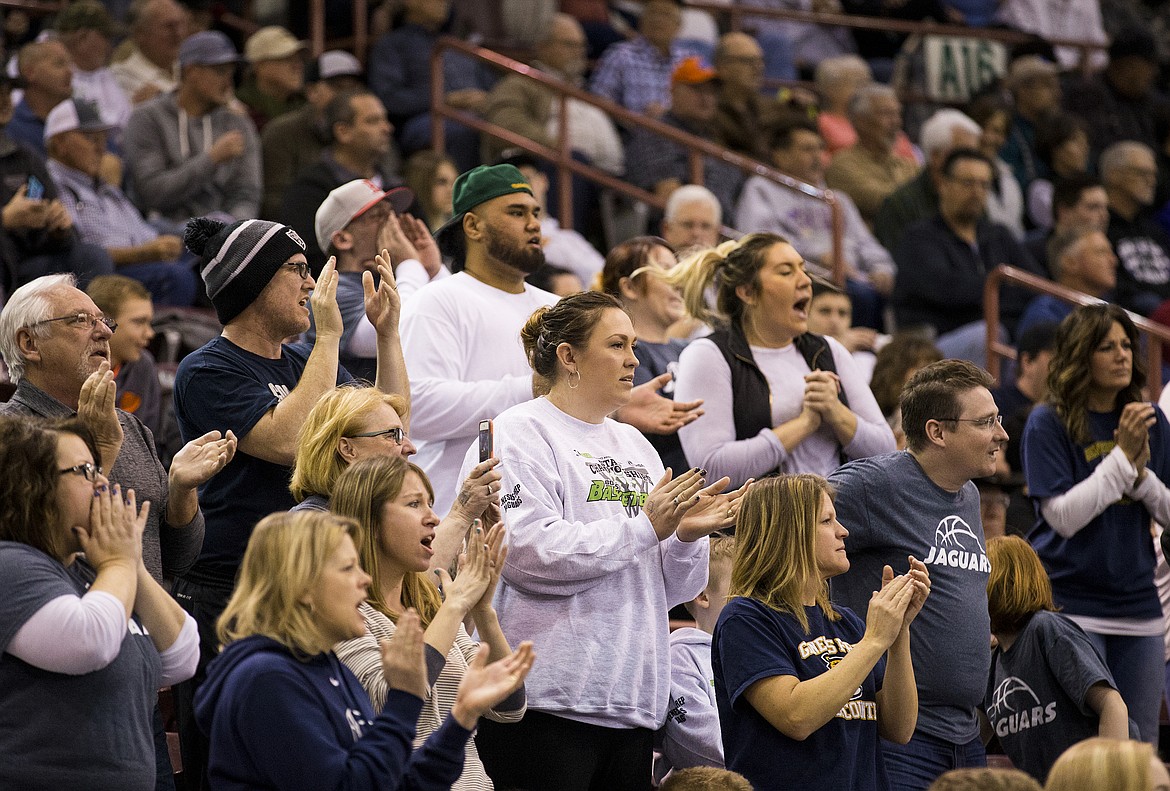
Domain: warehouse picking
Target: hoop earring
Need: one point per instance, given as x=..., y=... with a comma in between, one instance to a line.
x=571, y=385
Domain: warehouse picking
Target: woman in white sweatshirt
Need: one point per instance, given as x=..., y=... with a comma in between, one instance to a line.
x=602, y=543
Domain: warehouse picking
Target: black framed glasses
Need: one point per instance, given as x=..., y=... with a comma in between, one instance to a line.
x=301, y=267
x=396, y=435
x=88, y=471
x=981, y=422
x=79, y=320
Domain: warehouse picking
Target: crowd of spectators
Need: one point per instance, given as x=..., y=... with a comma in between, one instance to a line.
x=424, y=513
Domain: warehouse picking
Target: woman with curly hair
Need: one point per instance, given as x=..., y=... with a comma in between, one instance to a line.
x=1095, y=458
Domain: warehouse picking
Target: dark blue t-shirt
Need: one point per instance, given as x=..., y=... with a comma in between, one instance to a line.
x=655, y=359
x=1106, y=570
x=219, y=387
x=1036, y=693
x=753, y=642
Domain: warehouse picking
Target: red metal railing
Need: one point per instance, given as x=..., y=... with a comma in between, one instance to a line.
x=1155, y=334
x=697, y=147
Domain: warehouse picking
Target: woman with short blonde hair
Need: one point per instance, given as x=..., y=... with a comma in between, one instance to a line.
x=1108, y=765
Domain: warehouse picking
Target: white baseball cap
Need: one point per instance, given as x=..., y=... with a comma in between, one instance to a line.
x=74, y=114
x=350, y=201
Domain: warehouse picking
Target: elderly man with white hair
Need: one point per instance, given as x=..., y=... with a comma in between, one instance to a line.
x=693, y=218
x=917, y=199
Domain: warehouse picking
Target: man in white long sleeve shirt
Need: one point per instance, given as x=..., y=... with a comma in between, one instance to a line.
x=461, y=336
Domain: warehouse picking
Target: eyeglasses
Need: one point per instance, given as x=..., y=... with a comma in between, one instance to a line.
x=88, y=471
x=396, y=435
x=981, y=422
x=86, y=320
x=301, y=267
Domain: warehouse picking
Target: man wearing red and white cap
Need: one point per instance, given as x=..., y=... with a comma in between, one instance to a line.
x=355, y=223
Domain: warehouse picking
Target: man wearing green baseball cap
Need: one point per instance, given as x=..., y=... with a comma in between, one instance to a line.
x=461, y=334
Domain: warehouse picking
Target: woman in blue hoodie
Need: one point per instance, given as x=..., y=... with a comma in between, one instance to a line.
x=282, y=712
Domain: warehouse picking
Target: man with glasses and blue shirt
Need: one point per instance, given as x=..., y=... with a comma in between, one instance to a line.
x=249, y=381
x=922, y=502
x=56, y=344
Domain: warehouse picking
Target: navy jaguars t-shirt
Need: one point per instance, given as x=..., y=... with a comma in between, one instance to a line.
x=220, y=387
x=753, y=642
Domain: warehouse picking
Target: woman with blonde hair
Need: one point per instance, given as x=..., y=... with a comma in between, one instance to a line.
x=602, y=542
x=282, y=712
x=390, y=499
x=777, y=397
x=801, y=684
x=1100, y=764
x=355, y=421
x=1045, y=658
x=1095, y=459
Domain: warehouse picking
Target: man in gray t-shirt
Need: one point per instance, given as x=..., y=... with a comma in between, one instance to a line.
x=922, y=502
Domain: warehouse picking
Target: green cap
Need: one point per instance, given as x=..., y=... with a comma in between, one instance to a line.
x=472, y=188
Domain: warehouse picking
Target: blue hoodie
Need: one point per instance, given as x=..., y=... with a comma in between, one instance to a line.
x=276, y=722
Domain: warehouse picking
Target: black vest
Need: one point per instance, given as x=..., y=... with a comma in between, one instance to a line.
x=750, y=395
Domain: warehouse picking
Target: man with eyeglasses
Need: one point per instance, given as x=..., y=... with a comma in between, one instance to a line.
x=943, y=261
x=1129, y=172
x=249, y=381
x=922, y=502
x=56, y=344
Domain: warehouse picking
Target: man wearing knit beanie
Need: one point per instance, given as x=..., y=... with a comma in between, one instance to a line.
x=249, y=381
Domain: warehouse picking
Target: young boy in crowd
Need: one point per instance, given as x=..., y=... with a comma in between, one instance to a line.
x=691, y=734
x=127, y=302
x=831, y=313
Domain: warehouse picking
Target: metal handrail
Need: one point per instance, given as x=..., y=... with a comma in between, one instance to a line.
x=34, y=7
x=1155, y=333
x=697, y=147
x=736, y=12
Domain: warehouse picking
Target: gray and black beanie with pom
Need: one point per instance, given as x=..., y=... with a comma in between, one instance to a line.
x=237, y=261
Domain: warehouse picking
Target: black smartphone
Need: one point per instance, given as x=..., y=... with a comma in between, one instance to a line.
x=36, y=190
x=486, y=442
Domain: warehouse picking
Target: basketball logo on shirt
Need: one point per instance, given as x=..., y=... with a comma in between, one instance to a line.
x=1016, y=707
x=626, y=483
x=957, y=545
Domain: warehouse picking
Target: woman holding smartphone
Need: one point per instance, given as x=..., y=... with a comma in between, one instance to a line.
x=601, y=544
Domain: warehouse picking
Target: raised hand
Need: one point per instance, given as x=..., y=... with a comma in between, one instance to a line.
x=496, y=554
x=484, y=685
x=323, y=302
x=671, y=498
x=1133, y=429
x=714, y=511
x=201, y=458
x=115, y=528
x=383, y=306
x=396, y=247
x=919, y=578
x=652, y=413
x=403, y=662
x=96, y=407
x=887, y=610
x=480, y=490
x=467, y=588
x=420, y=236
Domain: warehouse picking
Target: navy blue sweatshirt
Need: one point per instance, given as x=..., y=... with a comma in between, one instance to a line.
x=276, y=722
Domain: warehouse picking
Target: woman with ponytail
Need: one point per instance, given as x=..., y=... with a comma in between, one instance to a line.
x=602, y=542
x=778, y=398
